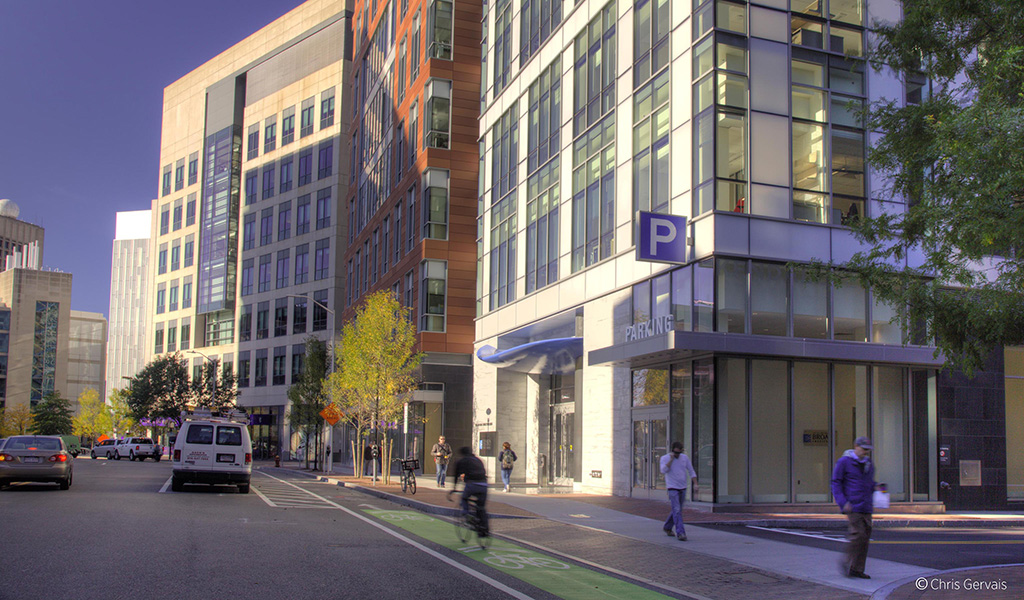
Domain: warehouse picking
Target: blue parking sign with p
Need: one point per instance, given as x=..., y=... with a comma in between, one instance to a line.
x=662, y=238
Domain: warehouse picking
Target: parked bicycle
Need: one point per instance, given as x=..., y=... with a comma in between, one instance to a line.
x=472, y=523
x=408, y=477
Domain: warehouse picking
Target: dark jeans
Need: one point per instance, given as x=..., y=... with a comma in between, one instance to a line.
x=478, y=491
x=442, y=471
x=677, y=497
x=859, y=535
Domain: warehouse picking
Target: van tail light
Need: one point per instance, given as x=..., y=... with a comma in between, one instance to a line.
x=6, y=458
x=177, y=454
x=59, y=457
x=248, y=457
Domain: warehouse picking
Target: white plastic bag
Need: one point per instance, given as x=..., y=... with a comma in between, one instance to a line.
x=880, y=499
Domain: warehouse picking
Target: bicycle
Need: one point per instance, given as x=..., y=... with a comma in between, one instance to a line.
x=472, y=523
x=408, y=477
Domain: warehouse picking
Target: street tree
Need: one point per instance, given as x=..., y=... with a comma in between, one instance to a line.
x=308, y=395
x=160, y=389
x=94, y=416
x=955, y=154
x=52, y=416
x=216, y=387
x=15, y=420
x=121, y=420
x=376, y=363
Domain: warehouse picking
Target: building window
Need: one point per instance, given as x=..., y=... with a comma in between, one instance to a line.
x=411, y=226
x=538, y=19
x=326, y=162
x=284, y=221
x=385, y=248
x=161, y=301
x=186, y=294
x=262, y=320
x=193, y=168
x=399, y=152
x=439, y=30
x=502, y=44
x=267, y=226
x=505, y=154
x=401, y=82
x=190, y=211
x=434, y=275
x=437, y=127
x=243, y=368
x=282, y=268
x=270, y=134
x=175, y=257
x=348, y=283
x=172, y=335
x=158, y=344
x=166, y=187
x=651, y=163
x=165, y=219
x=245, y=324
x=435, y=204
x=286, y=174
x=268, y=181
x=162, y=260
x=253, y=144
x=414, y=112
x=186, y=336
x=298, y=361
x=280, y=358
x=594, y=71
x=288, y=126
x=323, y=208
x=251, y=186
x=358, y=276
x=593, y=203
x=366, y=267
x=260, y=374
x=327, y=109
x=651, y=25
x=44, y=352
x=280, y=317
x=305, y=166
x=306, y=118
x=301, y=263
x=407, y=301
x=247, y=276
x=414, y=49
x=299, y=315
x=398, y=231
x=319, y=312
x=189, y=251
x=322, y=259
x=543, y=164
x=263, y=285
x=176, y=223
x=172, y=303
x=302, y=215
x=249, y=231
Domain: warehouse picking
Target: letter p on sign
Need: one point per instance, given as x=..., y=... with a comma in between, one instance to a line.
x=662, y=238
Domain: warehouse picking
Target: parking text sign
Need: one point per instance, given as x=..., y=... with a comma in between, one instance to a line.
x=662, y=238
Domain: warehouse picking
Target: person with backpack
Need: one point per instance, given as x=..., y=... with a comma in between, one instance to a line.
x=505, y=458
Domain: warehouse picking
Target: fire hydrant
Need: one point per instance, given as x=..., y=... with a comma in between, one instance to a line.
x=277, y=460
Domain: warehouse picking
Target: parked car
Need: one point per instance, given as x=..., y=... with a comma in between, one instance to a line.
x=2, y=440
x=73, y=444
x=36, y=458
x=136, y=448
x=212, y=450
x=104, y=449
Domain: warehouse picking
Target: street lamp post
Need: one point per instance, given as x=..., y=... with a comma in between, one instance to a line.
x=329, y=460
x=214, y=361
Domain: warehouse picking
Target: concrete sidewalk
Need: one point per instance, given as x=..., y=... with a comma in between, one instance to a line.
x=713, y=563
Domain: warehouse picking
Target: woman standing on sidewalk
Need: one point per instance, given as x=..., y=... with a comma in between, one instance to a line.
x=505, y=458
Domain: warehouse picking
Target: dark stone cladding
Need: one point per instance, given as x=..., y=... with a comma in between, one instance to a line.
x=972, y=422
x=458, y=400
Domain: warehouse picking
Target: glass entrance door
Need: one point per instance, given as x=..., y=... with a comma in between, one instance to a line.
x=563, y=452
x=650, y=443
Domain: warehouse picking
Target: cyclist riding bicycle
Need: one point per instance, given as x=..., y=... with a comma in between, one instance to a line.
x=472, y=470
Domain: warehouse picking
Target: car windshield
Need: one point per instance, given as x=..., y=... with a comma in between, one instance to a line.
x=32, y=443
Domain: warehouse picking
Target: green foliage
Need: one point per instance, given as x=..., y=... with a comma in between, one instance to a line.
x=308, y=395
x=160, y=389
x=94, y=416
x=216, y=388
x=957, y=159
x=15, y=420
x=121, y=420
x=52, y=416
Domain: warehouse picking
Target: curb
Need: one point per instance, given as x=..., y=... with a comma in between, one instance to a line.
x=878, y=524
x=883, y=592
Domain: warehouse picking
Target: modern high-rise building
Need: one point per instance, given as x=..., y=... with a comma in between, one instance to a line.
x=411, y=205
x=128, y=348
x=87, y=355
x=603, y=336
x=247, y=234
x=16, y=234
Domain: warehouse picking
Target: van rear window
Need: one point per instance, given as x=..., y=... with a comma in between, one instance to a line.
x=229, y=436
x=199, y=434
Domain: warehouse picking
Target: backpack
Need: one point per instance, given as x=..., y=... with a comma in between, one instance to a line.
x=507, y=458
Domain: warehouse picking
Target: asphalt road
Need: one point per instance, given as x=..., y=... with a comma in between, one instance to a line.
x=119, y=532
x=933, y=547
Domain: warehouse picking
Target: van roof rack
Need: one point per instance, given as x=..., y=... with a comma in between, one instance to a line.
x=234, y=415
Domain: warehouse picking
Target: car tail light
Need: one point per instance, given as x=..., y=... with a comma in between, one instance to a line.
x=136, y=447
x=6, y=458
x=59, y=457
x=248, y=457
x=177, y=454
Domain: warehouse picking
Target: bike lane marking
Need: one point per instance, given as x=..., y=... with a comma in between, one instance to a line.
x=552, y=575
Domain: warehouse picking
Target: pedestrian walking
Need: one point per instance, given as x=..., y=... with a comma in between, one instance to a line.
x=506, y=458
x=853, y=483
x=441, y=452
x=678, y=472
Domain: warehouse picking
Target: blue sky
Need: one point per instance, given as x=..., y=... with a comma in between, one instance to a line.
x=81, y=92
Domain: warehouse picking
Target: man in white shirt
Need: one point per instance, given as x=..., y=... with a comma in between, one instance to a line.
x=678, y=471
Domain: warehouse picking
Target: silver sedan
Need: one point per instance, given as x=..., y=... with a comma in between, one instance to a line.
x=36, y=458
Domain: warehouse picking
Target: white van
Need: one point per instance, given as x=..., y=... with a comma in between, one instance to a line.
x=212, y=450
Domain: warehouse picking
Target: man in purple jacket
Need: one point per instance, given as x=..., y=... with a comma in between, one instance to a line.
x=853, y=483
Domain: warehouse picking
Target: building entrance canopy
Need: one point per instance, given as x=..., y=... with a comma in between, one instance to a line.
x=545, y=356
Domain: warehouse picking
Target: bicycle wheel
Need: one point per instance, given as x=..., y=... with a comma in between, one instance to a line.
x=405, y=481
x=463, y=528
x=412, y=482
x=484, y=541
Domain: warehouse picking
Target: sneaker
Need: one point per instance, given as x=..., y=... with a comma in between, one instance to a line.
x=668, y=532
x=681, y=538
x=859, y=575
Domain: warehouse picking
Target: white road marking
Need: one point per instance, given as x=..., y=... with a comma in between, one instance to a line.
x=484, y=578
x=167, y=484
x=265, y=499
x=833, y=538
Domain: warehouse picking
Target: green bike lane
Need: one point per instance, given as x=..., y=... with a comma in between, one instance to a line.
x=555, y=576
